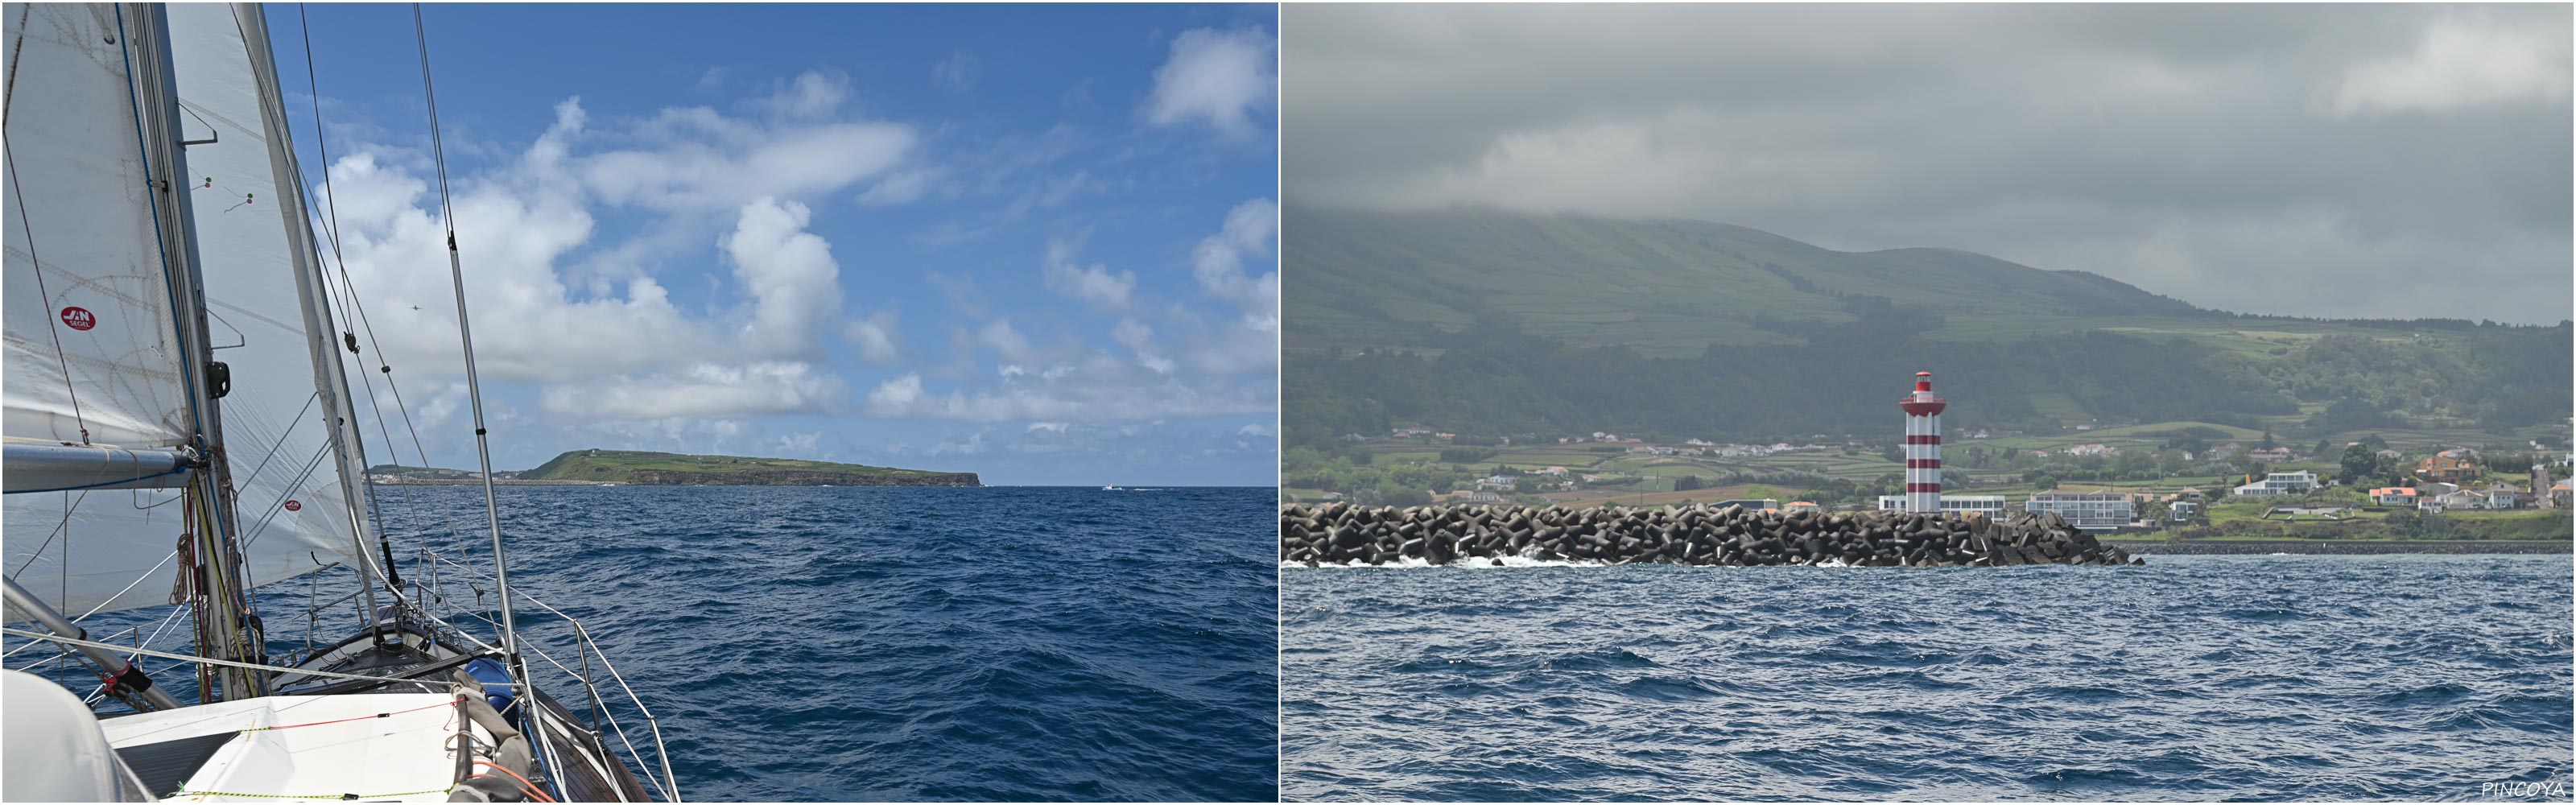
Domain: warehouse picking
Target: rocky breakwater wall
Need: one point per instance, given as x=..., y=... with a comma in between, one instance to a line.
x=1338, y=533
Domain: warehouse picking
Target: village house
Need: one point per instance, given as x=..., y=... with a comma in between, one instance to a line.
x=2280, y=483
x=2463, y=499
x=2393, y=496
x=2504, y=496
x=2560, y=493
x=2273, y=456
x=2446, y=467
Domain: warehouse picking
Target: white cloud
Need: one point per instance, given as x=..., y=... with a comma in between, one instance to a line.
x=1005, y=340
x=789, y=273
x=812, y=94
x=1221, y=78
x=800, y=443
x=532, y=326
x=555, y=308
x=697, y=159
x=1097, y=388
x=899, y=187
x=875, y=337
x=1139, y=338
x=957, y=73
x=2460, y=64
x=706, y=389
x=1251, y=230
x=1093, y=283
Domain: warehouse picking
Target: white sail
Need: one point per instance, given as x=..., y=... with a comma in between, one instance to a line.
x=293, y=496
x=84, y=266
x=115, y=550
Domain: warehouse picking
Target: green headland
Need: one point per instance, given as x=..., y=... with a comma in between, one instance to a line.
x=675, y=469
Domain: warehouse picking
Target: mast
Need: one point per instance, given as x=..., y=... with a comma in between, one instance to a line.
x=234, y=633
x=330, y=380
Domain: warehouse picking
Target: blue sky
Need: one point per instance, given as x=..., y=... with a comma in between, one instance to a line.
x=1035, y=242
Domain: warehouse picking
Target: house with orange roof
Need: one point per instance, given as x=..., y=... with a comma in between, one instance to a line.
x=2447, y=468
x=2393, y=496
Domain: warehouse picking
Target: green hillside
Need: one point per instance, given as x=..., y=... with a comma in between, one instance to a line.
x=1493, y=323
x=635, y=467
x=1372, y=279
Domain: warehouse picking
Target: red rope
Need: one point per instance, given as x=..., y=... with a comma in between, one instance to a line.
x=537, y=793
x=345, y=720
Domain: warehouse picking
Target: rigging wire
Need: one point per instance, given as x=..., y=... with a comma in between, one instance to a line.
x=53, y=324
x=349, y=299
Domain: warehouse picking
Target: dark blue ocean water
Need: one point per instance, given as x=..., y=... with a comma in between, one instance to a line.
x=2268, y=678
x=879, y=643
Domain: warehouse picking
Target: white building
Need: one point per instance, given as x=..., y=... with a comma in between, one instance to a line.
x=2091, y=511
x=2463, y=499
x=2280, y=483
x=1988, y=505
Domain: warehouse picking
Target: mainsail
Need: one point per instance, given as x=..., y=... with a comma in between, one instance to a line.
x=288, y=443
x=92, y=350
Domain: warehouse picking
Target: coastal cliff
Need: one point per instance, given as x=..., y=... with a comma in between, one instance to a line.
x=580, y=467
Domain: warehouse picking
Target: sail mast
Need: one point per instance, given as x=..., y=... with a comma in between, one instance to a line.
x=235, y=633
x=330, y=380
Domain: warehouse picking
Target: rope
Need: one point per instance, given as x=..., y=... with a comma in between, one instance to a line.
x=184, y=792
x=355, y=718
x=532, y=787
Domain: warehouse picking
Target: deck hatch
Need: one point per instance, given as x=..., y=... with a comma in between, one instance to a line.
x=166, y=766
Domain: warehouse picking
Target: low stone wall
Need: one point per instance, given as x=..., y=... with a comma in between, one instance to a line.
x=1338, y=533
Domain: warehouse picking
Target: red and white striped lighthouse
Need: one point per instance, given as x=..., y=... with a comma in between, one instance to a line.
x=1923, y=446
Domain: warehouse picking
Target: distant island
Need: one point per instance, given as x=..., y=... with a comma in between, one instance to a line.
x=639, y=468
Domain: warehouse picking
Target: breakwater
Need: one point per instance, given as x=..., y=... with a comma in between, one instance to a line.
x=1341, y=534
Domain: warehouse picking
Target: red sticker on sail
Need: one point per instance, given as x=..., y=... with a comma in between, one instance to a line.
x=79, y=318
x=294, y=506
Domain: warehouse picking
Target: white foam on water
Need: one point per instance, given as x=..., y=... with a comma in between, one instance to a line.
x=1485, y=563
x=1473, y=564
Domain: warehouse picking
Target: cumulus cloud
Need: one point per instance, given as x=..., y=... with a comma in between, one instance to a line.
x=1093, y=283
x=1222, y=79
x=1005, y=340
x=589, y=321
x=769, y=387
x=1251, y=231
x=875, y=337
